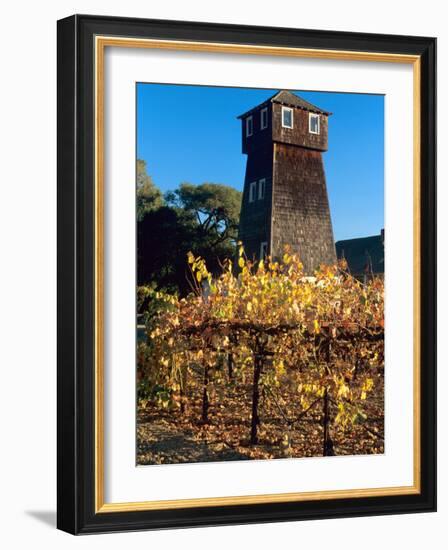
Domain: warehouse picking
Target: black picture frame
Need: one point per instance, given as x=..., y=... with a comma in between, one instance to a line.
x=76, y=285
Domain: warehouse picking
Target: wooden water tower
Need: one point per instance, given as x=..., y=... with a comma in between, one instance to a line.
x=285, y=199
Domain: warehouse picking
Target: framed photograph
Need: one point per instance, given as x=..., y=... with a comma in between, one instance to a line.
x=246, y=274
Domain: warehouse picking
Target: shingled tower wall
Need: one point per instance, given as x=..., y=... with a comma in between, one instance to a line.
x=284, y=138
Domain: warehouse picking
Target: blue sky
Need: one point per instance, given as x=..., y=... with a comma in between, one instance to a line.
x=191, y=133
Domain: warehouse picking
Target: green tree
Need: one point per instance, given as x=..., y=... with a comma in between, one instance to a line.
x=149, y=197
x=164, y=236
x=215, y=207
x=199, y=218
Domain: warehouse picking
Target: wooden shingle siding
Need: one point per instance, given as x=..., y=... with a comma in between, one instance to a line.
x=301, y=213
x=295, y=209
x=260, y=138
x=299, y=134
x=255, y=218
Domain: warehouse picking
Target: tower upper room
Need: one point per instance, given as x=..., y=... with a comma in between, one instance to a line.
x=285, y=118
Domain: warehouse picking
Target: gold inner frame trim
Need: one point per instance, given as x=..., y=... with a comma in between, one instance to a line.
x=101, y=42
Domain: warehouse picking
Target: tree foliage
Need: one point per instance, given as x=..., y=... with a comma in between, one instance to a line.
x=199, y=218
x=149, y=197
x=215, y=207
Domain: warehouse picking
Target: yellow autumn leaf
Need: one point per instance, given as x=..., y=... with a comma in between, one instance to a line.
x=241, y=262
x=368, y=384
x=281, y=367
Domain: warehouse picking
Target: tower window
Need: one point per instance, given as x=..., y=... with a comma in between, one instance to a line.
x=264, y=118
x=252, y=191
x=314, y=123
x=287, y=117
x=249, y=126
x=263, y=250
x=261, y=188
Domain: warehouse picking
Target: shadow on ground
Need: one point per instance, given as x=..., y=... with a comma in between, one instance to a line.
x=160, y=443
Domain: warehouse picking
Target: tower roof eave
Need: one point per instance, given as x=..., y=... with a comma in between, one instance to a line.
x=284, y=97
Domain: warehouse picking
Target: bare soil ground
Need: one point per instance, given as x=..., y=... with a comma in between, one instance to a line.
x=160, y=441
x=167, y=437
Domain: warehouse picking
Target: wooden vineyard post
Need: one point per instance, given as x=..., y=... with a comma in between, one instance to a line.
x=327, y=441
x=205, y=399
x=258, y=364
